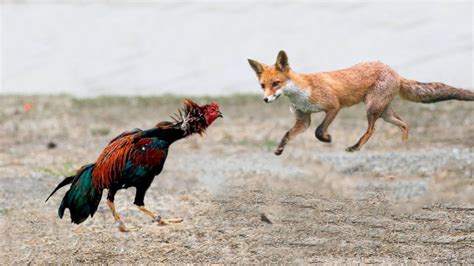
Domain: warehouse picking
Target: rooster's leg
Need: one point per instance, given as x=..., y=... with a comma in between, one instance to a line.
x=157, y=218
x=139, y=201
x=110, y=202
x=121, y=226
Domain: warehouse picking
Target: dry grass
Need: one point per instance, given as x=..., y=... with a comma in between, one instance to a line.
x=390, y=202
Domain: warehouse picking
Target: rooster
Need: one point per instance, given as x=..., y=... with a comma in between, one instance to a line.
x=132, y=159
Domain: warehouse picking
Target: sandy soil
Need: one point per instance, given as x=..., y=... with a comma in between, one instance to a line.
x=393, y=201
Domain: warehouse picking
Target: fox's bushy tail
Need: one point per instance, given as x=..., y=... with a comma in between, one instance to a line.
x=82, y=199
x=432, y=92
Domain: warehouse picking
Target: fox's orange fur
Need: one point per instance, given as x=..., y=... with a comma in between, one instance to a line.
x=373, y=83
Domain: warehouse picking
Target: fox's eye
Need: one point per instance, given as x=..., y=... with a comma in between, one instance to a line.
x=275, y=83
x=263, y=85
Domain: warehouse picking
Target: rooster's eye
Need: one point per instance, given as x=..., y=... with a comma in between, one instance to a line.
x=275, y=83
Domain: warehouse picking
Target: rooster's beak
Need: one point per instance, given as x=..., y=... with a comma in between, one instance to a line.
x=219, y=114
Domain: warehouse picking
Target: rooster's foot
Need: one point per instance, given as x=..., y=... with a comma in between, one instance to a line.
x=122, y=228
x=160, y=221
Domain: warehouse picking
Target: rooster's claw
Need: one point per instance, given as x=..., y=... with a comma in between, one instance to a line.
x=160, y=221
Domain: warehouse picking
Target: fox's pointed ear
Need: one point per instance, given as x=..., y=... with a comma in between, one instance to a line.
x=282, y=62
x=256, y=66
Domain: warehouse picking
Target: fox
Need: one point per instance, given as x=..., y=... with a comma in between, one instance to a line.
x=374, y=83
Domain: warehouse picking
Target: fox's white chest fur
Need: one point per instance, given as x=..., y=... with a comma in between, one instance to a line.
x=299, y=98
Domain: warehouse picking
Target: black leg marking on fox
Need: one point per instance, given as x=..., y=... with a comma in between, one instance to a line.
x=321, y=130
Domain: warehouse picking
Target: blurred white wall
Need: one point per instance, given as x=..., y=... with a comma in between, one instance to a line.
x=90, y=49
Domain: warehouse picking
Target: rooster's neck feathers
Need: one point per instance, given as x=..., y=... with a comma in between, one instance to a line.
x=190, y=119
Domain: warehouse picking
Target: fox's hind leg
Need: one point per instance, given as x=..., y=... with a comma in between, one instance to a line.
x=377, y=101
x=391, y=117
x=372, y=118
x=303, y=120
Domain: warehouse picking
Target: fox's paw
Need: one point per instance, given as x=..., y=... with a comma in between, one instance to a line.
x=352, y=149
x=323, y=137
x=279, y=151
x=326, y=138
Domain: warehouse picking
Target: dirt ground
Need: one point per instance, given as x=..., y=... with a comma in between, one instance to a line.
x=392, y=201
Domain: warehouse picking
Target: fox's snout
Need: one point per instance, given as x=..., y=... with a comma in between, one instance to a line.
x=269, y=99
x=272, y=98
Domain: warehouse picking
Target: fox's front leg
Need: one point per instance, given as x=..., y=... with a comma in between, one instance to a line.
x=303, y=120
x=321, y=131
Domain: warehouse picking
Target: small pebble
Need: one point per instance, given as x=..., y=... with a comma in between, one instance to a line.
x=51, y=145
